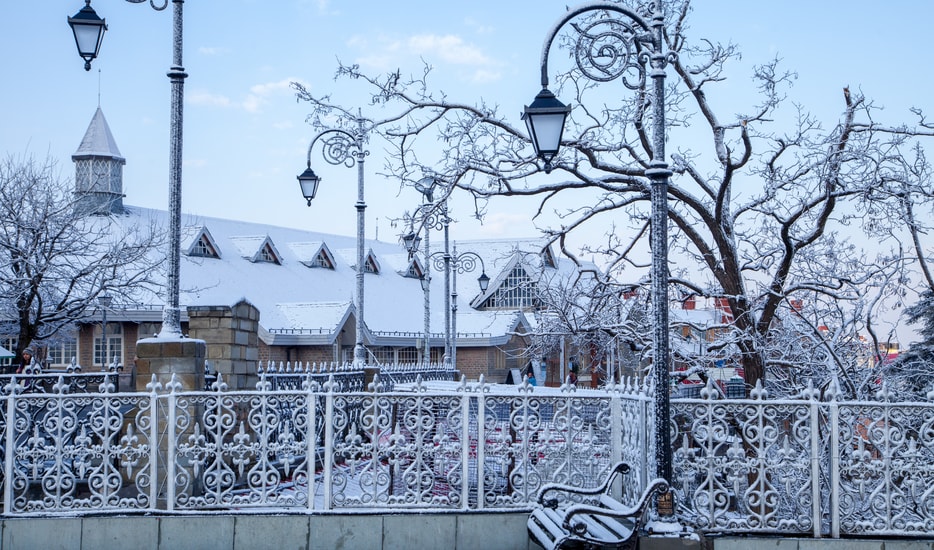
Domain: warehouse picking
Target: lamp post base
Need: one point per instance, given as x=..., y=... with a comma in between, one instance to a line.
x=171, y=323
x=359, y=356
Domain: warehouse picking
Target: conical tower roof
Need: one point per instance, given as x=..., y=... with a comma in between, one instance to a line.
x=98, y=141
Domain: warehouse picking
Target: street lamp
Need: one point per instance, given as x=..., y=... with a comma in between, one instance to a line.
x=342, y=147
x=104, y=300
x=89, y=30
x=607, y=49
x=431, y=215
x=455, y=263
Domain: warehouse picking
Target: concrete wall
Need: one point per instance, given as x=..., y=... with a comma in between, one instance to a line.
x=224, y=532
x=481, y=531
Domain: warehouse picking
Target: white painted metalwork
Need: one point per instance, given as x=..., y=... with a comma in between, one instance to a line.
x=304, y=441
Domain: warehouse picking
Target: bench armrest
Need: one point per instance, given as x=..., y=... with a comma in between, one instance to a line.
x=634, y=511
x=620, y=468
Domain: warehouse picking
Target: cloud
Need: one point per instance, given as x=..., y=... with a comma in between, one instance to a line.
x=251, y=103
x=259, y=92
x=387, y=53
x=483, y=76
x=200, y=97
x=449, y=47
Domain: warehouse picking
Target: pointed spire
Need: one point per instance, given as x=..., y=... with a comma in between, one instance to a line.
x=98, y=170
x=98, y=141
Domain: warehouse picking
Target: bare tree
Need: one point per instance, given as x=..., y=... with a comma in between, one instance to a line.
x=766, y=203
x=54, y=261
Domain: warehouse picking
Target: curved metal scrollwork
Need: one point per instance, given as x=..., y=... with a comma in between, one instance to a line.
x=607, y=49
x=465, y=262
x=152, y=3
x=340, y=149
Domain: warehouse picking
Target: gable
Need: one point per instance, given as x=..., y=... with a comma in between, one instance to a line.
x=415, y=270
x=257, y=249
x=314, y=255
x=370, y=265
x=203, y=245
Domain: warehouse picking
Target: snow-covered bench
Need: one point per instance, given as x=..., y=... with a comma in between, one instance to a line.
x=589, y=517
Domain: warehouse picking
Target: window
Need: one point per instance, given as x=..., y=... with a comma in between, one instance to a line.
x=370, y=265
x=382, y=355
x=203, y=249
x=408, y=355
x=114, y=346
x=517, y=291
x=322, y=261
x=60, y=354
x=266, y=254
x=203, y=245
x=9, y=342
x=414, y=271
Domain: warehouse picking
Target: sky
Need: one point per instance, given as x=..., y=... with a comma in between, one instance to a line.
x=245, y=136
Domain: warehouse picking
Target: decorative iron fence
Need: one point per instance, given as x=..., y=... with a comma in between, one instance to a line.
x=813, y=465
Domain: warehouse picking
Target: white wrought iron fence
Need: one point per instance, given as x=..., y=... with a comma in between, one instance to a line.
x=425, y=445
x=809, y=465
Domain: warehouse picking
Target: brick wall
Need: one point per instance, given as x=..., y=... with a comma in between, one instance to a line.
x=293, y=354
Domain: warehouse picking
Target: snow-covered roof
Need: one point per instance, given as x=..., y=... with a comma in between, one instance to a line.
x=310, y=303
x=98, y=141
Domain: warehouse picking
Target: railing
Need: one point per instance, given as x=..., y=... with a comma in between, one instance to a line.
x=813, y=465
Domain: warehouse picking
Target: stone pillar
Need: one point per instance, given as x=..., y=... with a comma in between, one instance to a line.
x=232, y=336
x=183, y=357
x=164, y=357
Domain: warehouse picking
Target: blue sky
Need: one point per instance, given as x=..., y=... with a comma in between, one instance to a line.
x=245, y=135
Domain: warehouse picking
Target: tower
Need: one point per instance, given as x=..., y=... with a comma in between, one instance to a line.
x=98, y=170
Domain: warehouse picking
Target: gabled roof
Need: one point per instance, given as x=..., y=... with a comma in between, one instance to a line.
x=257, y=249
x=313, y=254
x=299, y=305
x=200, y=239
x=98, y=141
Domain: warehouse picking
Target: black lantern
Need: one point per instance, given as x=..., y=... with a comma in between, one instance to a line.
x=545, y=121
x=426, y=186
x=484, y=282
x=89, y=32
x=411, y=241
x=309, y=182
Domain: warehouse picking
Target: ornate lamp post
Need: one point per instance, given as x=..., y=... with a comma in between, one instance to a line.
x=455, y=263
x=606, y=49
x=342, y=147
x=89, y=30
x=104, y=300
x=431, y=215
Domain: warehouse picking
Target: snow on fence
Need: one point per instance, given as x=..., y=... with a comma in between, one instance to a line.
x=810, y=465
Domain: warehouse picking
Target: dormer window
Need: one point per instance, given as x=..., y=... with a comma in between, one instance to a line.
x=415, y=270
x=517, y=291
x=322, y=261
x=257, y=249
x=267, y=254
x=203, y=249
x=370, y=266
x=313, y=254
x=202, y=245
x=548, y=257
